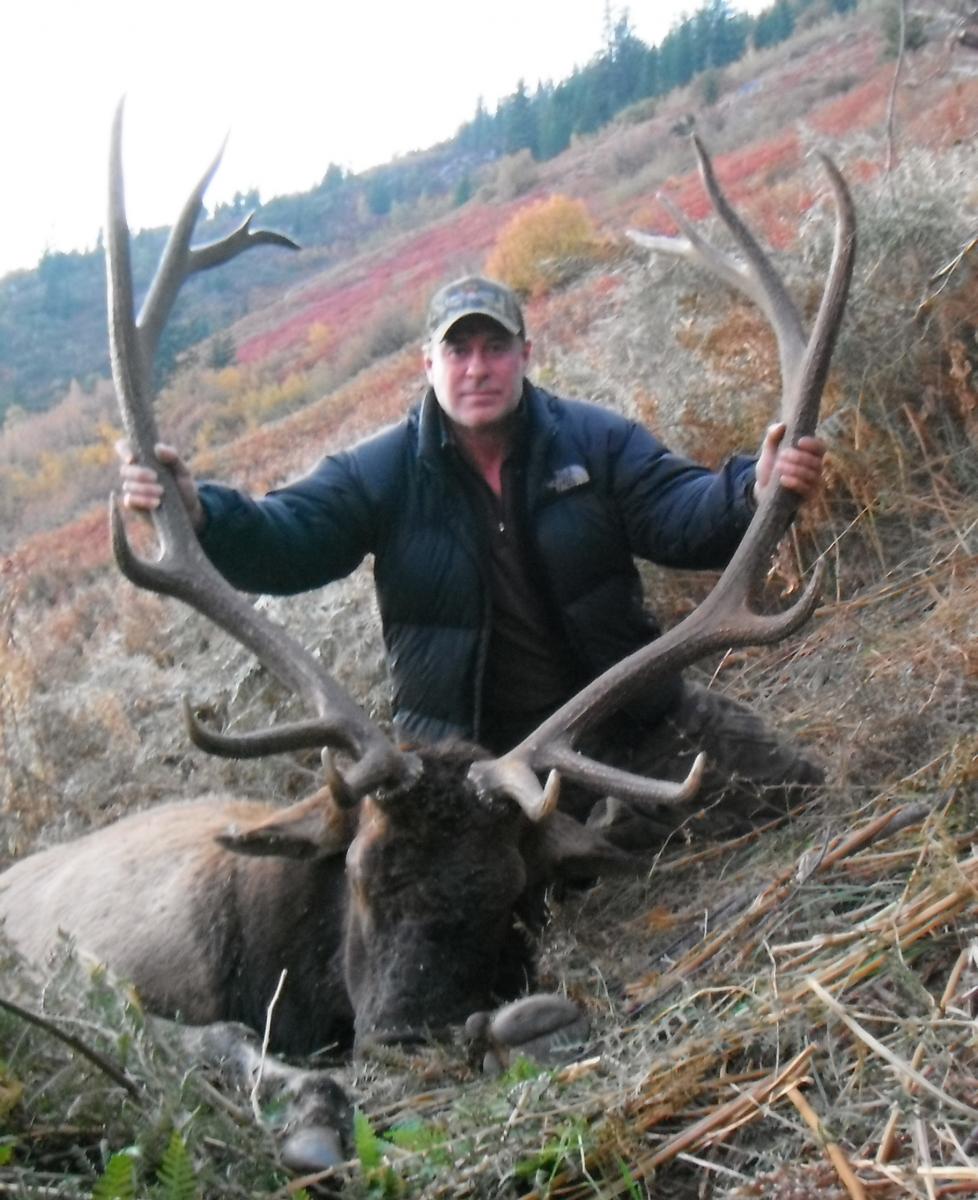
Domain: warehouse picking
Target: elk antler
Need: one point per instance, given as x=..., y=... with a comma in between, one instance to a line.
x=730, y=615
x=182, y=569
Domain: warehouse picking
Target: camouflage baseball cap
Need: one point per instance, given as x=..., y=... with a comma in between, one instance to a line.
x=473, y=294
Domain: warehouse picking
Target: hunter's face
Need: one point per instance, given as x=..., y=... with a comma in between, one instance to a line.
x=477, y=372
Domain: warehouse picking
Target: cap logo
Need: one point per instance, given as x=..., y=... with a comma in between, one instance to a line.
x=473, y=296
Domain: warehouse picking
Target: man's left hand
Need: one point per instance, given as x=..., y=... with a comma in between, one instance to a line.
x=799, y=467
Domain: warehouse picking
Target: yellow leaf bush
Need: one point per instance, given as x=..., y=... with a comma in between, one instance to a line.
x=545, y=245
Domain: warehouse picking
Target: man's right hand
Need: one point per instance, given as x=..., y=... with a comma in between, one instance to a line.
x=141, y=487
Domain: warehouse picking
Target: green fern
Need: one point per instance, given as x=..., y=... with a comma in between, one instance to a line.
x=176, y=1176
x=367, y=1144
x=381, y=1179
x=118, y=1181
x=420, y=1138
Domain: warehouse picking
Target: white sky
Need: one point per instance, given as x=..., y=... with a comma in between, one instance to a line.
x=298, y=83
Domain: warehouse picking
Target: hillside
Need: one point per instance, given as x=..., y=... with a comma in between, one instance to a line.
x=52, y=326
x=787, y=1014
x=52, y=323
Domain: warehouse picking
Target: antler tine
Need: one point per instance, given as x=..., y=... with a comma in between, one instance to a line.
x=176, y=265
x=180, y=261
x=182, y=569
x=774, y=300
x=756, y=278
x=729, y=616
x=129, y=369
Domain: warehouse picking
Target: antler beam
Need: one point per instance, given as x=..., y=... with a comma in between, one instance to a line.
x=182, y=569
x=730, y=616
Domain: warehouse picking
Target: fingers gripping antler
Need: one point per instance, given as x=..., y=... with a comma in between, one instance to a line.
x=182, y=569
x=730, y=616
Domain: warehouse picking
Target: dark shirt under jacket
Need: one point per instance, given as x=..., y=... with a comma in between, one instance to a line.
x=528, y=670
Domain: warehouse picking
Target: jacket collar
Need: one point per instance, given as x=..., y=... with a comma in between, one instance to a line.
x=432, y=435
x=554, y=461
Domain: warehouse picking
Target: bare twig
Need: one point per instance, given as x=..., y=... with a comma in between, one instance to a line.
x=116, y=1074
x=264, y=1046
x=943, y=277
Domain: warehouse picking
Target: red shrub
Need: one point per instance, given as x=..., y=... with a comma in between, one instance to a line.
x=950, y=119
x=410, y=268
x=862, y=108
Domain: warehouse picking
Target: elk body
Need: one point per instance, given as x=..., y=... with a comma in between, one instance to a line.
x=396, y=897
x=399, y=922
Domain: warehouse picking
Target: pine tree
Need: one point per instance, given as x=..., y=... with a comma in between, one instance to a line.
x=651, y=84
x=519, y=125
x=557, y=119
x=676, y=59
x=627, y=54
x=774, y=25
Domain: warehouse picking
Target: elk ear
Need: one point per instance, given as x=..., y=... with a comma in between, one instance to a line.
x=563, y=847
x=314, y=828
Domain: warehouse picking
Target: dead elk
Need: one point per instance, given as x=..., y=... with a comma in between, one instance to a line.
x=390, y=923
x=392, y=898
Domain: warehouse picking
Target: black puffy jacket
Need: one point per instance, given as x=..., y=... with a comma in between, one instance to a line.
x=599, y=490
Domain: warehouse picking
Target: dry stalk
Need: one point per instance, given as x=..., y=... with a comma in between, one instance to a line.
x=776, y=893
x=891, y=105
x=851, y=1182
x=961, y=1180
x=677, y=865
x=888, y=1145
x=269, y=1012
x=934, y=475
x=694, y=1065
x=903, y=1068
x=925, y=1166
x=746, y=1106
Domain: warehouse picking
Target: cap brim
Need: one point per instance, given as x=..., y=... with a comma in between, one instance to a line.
x=443, y=327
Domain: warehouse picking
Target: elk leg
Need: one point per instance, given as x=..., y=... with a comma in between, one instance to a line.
x=316, y=1113
x=753, y=773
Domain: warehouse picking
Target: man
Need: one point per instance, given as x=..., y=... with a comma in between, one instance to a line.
x=504, y=522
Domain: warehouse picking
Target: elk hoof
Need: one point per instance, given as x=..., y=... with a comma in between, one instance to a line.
x=477, y=1026
x=534, y=1017
x=548, y=1029
x=315, y=1148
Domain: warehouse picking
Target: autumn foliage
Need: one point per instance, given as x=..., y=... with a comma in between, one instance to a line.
x=546, y=244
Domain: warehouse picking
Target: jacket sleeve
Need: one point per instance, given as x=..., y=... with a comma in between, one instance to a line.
x=676, y=513
x=297, y=537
